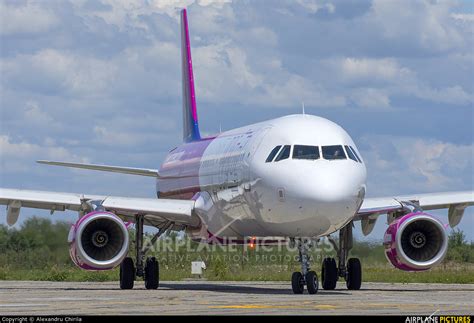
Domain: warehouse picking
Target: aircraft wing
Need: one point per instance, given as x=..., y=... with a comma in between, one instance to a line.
x=156, y=211
x=456, y=202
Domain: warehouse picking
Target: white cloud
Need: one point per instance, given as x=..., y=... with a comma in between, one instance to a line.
x=465, y=17
x=269, y=84
x=450, y=95
x=258, y=37
x=397, y=164
x=117, y=137
x=314, y=6
x=102, y=78
x=58, y=71
x=294, y=90
x=34, y=113
x=246, y=57
x=18, y=156
x=391, y=79
x=28, y=18
x=430, y=157
x=425, y=22
x=222, y=73
x=371, y=98
x=240, y=69
x=212, y=20
x=386, y=69
x=129, y=13
x=217, y=3
x=149, y=71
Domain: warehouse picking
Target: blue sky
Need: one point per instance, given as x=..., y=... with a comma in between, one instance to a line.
x=99, y=81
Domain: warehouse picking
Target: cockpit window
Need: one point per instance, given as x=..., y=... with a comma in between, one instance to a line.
x=272, y=154
x=284, y=153
x=355, y=154
x=305, y=152
x=333, y=152
x=351, y=154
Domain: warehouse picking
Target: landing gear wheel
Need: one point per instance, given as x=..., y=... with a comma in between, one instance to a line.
x=152, y=273
x=354, y=274
x=329, y=274
x=297, y=283
x=127, y=274
x=312, y=283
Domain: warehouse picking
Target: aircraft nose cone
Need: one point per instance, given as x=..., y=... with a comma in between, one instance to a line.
x=335, y=189
x=334, y=185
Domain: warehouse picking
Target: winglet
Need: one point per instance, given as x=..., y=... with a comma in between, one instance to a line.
x=190, y=119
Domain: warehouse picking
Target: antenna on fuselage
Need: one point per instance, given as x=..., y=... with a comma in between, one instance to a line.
x=302, y=107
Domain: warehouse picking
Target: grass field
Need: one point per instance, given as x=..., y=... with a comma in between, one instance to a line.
x=38, y=251
x=459, y=274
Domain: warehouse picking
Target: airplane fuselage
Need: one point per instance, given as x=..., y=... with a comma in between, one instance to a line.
x=311, y=187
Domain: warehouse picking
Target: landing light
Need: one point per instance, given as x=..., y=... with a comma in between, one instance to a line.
x=252, y=242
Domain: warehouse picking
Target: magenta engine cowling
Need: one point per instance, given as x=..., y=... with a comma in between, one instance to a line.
x=415, y=242
x=98, y=241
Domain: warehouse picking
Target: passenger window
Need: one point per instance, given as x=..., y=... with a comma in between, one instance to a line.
x=284, y=153
x=272, y=154
x=355, y=154
x=351, y=154
x=333, y=152
x=305, y=152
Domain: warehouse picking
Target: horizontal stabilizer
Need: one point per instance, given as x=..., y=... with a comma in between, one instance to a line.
x=105, y=168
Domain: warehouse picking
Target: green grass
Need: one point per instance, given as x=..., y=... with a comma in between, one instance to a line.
x=444, y=274
x=454, y=273
x=38, y=251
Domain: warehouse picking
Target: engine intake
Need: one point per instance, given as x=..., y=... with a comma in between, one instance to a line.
x=415, y=241
x=98, y=241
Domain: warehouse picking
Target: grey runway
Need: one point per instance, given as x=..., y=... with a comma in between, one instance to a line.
x=204, y=297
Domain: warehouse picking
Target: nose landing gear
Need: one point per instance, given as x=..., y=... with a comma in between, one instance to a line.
x=297, y=282
x=306, y=276
x=350, y=270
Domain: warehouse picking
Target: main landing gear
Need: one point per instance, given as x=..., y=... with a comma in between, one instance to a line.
x=351, y=272
x=306, y=276
x=149, y=270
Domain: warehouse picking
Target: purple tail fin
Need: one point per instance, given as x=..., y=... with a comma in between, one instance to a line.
x=190, y=120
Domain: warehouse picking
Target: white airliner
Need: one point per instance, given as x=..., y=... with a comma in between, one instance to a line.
x=296, y=178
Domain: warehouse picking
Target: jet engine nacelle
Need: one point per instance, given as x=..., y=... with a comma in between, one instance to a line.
x=98, y=241
x=415, y=242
